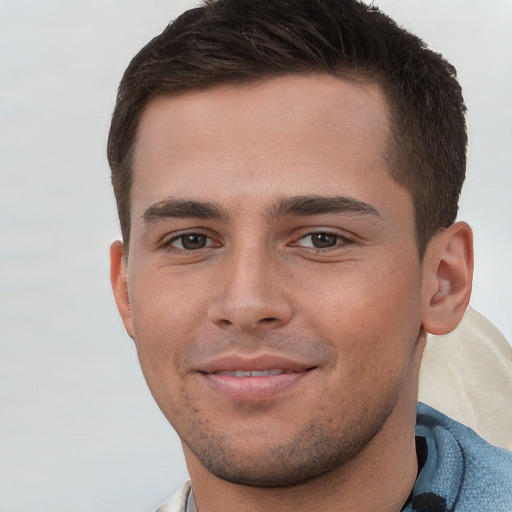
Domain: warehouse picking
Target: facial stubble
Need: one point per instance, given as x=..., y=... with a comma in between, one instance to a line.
x=256, y=451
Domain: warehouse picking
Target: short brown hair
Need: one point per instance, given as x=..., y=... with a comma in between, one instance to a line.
x=243, y=40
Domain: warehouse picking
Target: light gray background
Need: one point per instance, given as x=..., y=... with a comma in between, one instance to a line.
x=78, y=429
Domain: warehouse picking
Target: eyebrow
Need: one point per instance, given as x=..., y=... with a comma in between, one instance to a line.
x=308, y=205
x=318, y=205
x=177, y=208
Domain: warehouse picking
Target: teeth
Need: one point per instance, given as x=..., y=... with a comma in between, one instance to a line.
x=265, y=373
x=253, y=373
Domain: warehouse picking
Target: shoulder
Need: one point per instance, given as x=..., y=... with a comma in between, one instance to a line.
x=461, y=468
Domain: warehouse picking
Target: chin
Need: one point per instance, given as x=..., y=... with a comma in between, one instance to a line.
x=272, y=461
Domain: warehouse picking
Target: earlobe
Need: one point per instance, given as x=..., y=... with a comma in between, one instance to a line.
x=447, y=279
x=118, y=279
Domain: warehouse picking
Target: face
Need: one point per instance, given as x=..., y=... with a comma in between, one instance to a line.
x=274, y=284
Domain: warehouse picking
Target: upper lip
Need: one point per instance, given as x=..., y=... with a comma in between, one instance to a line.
x=234, y=362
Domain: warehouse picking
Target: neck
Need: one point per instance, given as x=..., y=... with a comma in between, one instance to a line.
x=380, y=477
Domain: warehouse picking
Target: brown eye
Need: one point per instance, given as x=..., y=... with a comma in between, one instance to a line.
x=324, y=240
x=191, y=242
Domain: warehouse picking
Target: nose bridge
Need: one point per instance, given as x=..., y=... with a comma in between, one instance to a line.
x=250, y=294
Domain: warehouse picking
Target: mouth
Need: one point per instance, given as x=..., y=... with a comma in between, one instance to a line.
x=253, y=365
x=254, y=373
x=254, y=379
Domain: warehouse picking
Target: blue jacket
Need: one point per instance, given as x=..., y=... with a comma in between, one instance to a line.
x=462, y=472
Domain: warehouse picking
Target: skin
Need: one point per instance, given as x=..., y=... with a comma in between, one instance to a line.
x=266, y=233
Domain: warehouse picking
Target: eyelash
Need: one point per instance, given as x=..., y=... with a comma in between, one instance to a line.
x=342, y=242
x=167, y=244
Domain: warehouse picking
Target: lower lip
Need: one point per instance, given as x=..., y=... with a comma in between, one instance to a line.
x=253, y=388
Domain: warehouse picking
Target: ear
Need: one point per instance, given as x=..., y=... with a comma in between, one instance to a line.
x=119, y=281
x=447, y=278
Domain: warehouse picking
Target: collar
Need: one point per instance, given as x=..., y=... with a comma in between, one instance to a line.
x=191, y=503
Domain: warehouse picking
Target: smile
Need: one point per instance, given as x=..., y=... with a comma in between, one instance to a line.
x=253, y=373
x=254, y=385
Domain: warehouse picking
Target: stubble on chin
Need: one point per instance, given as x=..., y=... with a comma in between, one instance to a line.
x=268, y=459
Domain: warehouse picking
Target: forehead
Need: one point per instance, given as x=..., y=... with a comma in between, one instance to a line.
x=291, y=134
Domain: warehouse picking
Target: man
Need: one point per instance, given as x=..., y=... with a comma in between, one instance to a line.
x=287, y=176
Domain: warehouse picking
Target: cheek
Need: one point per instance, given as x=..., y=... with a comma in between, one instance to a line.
x=164, y=304
x=166, y=319
x=365, y=308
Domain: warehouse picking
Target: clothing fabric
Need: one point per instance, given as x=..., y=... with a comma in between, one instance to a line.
x=467, y=374
x=462, y=472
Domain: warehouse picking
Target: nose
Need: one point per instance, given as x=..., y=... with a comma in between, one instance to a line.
x=250, y=294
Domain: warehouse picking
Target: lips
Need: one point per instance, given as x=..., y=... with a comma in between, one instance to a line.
x=253, y=373
x=253, y=363
x=259, y=378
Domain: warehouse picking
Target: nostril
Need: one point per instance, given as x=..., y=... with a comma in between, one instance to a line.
x=268, y=320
